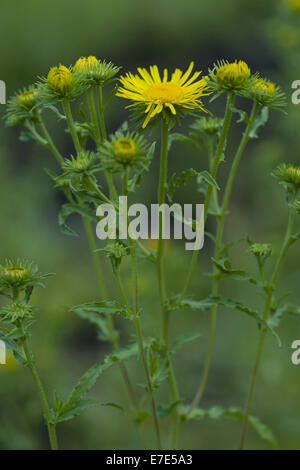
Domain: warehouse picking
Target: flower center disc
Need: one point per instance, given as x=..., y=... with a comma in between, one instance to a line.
x=165, y=92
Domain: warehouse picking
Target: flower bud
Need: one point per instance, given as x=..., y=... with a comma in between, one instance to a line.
x=84, y=64
x=60, y=79
x=233, y=73
x=125, y=150
x=27, y=98
x=263, y=86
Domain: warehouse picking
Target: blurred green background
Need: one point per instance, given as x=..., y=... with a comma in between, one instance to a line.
x=36, y=35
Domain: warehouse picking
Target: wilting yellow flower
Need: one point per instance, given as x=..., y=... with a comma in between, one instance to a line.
x=27, y=98
x=60, y=79
x=85, y=63
x=157, y=94
x=233, y=73
x=294, y=4
x=264, y=86
x=125, y=149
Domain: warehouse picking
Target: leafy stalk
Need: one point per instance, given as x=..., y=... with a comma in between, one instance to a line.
x=283, y=251
x=137, y=321
x=174, y=394
x=214, y=170
x=218, y=243
x=40, y=389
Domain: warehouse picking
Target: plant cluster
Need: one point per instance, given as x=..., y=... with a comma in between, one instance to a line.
x=157, y=100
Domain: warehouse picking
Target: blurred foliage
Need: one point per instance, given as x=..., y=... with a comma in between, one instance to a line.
x=36, y=35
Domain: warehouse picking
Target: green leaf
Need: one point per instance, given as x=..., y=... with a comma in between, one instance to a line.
x=217, y=413
x=67, y=210
x=163, y=411
x=281, y=312
x=209, y=302
x=176, y=136
x=105, y=307
x=182, y=340
x=114, y=405
x=225, y=268
x=76, y=403
x=11, y=341
x=260, y=121
x=161, y=373
x=71, y=412
x=179, y=181
x=122, y=354
x=243, y=116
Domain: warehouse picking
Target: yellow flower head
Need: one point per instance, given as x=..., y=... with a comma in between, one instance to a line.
x=28, y=98
x=60, y=79
x=84, y=64
x=125, y=150
x=233, y=73
x=159, y=94
x=263, y=86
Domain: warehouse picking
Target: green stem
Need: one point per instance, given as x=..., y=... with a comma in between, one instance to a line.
x=112, y=335
x=92, y=245
x=93, y=114
x=101, y=113
x=214, y=170
x=284, y=248
x=174, y=394
x=112, y=189
x=140, y=342
x=51, y=145
x=137, y=322
x=33, y=369
x=160, y=247
x=68, y=113
x=218, y=243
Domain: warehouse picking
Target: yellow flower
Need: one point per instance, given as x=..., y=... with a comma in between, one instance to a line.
x=85, y=63
x=264, y=86
x=60, y=79
x=125, y=150
x=157, y=94
x=27, y=98
x=233, y=73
